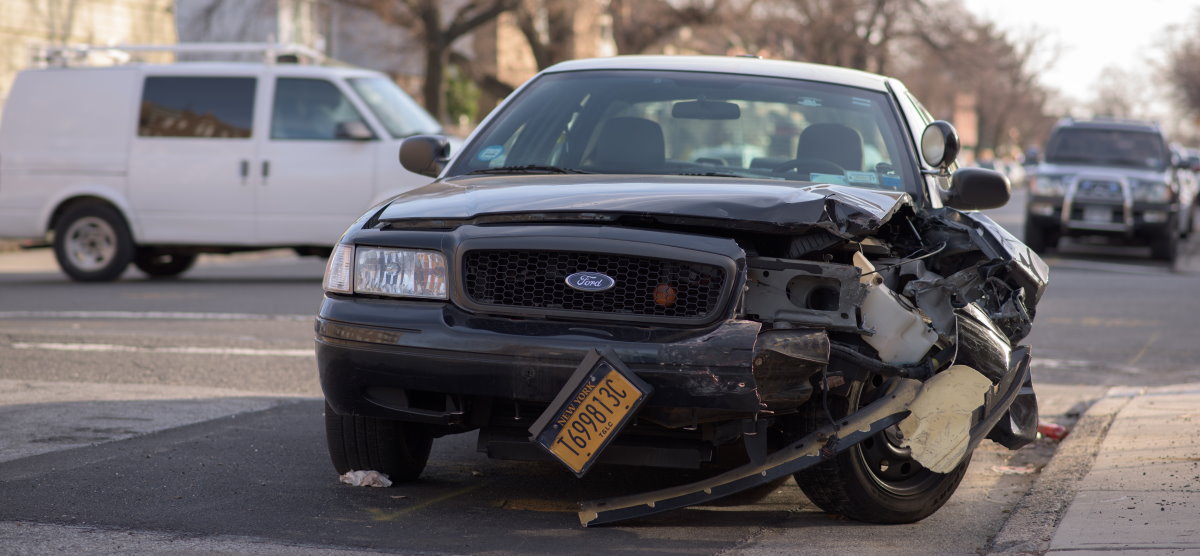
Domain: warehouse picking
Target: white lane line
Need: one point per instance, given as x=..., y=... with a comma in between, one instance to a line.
x=185, y=350
x=146, y=315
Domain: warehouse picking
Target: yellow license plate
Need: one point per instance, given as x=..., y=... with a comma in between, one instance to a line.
x=599, y=400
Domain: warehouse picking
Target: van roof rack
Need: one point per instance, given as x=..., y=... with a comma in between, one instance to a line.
x=69, y=55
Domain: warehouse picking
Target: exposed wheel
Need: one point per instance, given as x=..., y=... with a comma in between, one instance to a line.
x=164, y=265
x=92, y=242
x=876, y=481
x=396, y=448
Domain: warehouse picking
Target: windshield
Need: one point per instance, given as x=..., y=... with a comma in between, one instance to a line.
x=1108, y=147
x=398, y=112
x=690, y=123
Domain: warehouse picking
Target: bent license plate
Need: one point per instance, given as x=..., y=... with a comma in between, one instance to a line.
x=601, y=397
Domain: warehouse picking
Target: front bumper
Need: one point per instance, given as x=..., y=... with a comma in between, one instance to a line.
x=1075, y=216
x=418, y=361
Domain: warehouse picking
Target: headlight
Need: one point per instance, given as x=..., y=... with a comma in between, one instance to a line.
x=1151, y=191
x=1048, y=185
x=386, y=271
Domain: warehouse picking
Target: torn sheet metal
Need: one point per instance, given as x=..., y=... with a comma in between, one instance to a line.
x=806, y=452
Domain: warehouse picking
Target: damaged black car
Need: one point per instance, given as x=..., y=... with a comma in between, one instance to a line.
x=766, y=268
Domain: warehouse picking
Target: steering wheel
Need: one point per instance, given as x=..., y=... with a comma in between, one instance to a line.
x=810, y=165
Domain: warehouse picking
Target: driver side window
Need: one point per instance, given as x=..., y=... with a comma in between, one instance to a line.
x=309, y=109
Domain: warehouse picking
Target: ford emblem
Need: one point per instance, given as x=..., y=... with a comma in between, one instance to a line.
x=590, y=281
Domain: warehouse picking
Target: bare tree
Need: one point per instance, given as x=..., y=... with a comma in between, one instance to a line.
x=59, y=16
x=639, y=25
x=437, y=32
x=1182, y=70
x=549, y=27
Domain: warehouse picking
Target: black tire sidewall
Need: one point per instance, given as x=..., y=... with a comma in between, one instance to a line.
x=122, y=256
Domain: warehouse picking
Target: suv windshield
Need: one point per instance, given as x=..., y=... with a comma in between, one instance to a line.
x=690, y=123
x=1108, y=147
x=396, y=111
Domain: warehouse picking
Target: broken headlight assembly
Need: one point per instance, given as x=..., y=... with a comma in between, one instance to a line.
x=386, y=271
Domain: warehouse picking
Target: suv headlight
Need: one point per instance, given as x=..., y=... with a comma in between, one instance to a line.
x=386, y=271
x=1151, y=191
x=1048, y=185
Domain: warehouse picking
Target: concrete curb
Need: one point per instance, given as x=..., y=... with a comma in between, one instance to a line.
x=1032, y=525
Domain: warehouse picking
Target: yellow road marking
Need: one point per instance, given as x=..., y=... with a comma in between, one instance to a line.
x=380, y=514
x=1145, y=348
x=1104, y=322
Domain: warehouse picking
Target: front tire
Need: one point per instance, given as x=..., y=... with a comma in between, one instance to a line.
x=396, y=448
x=1165, y=246
x=876, y=480
x=92, y=242
x=164, y=265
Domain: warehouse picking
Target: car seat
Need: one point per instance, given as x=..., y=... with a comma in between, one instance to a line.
x=836, y=143
x=629, y=145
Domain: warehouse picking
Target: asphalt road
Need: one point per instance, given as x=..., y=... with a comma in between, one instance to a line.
x=183, y=416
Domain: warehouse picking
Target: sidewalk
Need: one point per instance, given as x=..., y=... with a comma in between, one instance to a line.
x=1135, y=456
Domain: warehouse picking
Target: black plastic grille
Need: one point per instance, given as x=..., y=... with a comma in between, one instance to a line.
x=536, y=280
x=1097, y=189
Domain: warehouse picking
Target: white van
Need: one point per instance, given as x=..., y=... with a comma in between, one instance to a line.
x=156, y=163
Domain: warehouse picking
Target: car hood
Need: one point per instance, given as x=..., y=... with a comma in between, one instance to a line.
x=1113, y=172
x=759, y=205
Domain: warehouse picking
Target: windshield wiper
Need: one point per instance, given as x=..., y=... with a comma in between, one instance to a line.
x=529, y=169
x=710, y=174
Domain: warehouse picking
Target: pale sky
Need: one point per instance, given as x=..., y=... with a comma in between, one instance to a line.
x=1091, y=35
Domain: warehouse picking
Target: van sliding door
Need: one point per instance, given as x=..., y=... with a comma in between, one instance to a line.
x=191, y=177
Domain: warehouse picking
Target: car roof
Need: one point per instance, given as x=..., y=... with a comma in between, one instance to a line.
x=234, y=68
x=742, y=65
x=1111, y=123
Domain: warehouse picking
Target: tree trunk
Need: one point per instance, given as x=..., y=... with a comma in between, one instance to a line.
x=434, y=87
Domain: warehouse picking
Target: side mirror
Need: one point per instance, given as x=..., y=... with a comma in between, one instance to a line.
x=425, y=154
x=939, y=144
x=978, y=189
x=356, y=130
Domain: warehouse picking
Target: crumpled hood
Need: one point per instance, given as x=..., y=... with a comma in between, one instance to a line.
x=761, y=205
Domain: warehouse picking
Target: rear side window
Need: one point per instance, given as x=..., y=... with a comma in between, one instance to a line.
x=208, y=107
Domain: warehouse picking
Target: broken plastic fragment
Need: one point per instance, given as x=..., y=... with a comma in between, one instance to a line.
x=1052, y=430
x=938, y=429
x=366, y=478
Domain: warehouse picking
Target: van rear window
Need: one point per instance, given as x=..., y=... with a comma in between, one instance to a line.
x=209, y=107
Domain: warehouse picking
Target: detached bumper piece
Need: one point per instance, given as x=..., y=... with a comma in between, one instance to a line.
x=823, y=443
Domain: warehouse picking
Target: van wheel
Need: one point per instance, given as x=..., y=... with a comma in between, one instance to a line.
x=396, y=448
x=876, y=480
x=92, y=243
x=163, y=265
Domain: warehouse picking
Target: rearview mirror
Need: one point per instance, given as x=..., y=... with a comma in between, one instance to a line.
x=978, y=189
x=706, y=110
x=939, y=144
x=425, y=154
x=355, y=130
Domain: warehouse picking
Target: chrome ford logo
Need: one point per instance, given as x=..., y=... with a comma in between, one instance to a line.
x=590, y=281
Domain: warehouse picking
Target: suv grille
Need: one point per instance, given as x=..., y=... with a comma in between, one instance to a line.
x=1099, y=189
x=536, y=280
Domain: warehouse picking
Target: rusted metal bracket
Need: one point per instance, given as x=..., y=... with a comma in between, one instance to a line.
x=888, y=410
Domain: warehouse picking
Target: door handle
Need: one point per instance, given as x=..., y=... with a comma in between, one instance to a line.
x=266, y=169
x=245, y=168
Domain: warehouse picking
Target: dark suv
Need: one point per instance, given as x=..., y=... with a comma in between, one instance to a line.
x=652, y=260
x=1115, y=179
